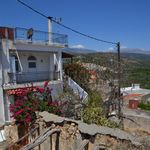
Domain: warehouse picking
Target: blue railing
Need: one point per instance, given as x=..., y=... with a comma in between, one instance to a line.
x=40, y=36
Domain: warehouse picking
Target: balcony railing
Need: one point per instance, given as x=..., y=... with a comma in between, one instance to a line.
x=21, y=34
x=27, y=77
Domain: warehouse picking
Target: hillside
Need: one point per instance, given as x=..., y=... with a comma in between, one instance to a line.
x=135, y=67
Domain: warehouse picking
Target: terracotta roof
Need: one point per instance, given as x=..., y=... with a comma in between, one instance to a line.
x=133, y=95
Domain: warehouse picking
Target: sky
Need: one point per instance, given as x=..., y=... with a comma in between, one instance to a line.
x=124, y=21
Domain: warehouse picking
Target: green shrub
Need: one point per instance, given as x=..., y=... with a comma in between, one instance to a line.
x=144, y=105
x=93, y=112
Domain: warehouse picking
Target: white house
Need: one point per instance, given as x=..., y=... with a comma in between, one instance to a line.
x=28, y=56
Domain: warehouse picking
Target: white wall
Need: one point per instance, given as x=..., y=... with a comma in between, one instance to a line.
x=5, y=59
x=4, y=68
x=83, y=95
x=42, y=60
x=1, y=82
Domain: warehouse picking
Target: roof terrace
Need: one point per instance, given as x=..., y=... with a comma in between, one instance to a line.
x=33, y=36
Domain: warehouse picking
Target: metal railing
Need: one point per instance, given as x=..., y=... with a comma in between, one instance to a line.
x=21, y=34
x=26, y=77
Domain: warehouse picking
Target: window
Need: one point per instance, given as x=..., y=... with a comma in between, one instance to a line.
x=31, y=62
x=32, y=65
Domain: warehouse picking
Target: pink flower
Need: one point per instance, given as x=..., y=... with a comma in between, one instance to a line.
x=27, y=114
x=19, y=112
x=28, y=108
x=27, y=120
x=41, y=90
x=46, y=84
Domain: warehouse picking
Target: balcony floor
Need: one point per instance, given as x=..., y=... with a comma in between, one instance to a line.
x=22, y=85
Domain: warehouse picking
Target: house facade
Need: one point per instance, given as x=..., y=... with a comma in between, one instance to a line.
x=28, y=57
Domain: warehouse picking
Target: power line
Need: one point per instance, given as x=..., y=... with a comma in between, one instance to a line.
x=91, y=37
x=73, y=30
x=32, y=9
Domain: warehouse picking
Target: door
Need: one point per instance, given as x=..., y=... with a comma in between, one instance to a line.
x=32, y=74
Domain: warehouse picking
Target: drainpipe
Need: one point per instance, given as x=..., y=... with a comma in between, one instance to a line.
x=49, y=30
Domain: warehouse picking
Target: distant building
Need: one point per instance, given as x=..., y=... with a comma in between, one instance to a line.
x=135, y=93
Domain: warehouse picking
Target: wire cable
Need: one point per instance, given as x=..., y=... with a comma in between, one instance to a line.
x=88, y=36
x=73, y=30
x=32, y=9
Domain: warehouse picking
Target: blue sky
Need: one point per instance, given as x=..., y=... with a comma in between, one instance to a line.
x=126, y=21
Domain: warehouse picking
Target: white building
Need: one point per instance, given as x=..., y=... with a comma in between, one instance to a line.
x=28, y=56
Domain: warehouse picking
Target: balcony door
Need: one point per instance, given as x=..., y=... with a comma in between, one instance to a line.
x=32, y=69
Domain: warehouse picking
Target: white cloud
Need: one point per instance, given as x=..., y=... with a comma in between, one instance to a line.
x=142, y=49
x=78, y=46
x=111, y=48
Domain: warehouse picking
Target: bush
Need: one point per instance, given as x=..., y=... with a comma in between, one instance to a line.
x=144, y=105
x=93, y=112
x=29, y=100
x=51, y=107
x=22, y=111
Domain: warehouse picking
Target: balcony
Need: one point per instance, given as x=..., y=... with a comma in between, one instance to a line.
x=28, y=77
x=38, y=37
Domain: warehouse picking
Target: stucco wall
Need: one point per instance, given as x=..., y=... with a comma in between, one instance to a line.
x=42, y=62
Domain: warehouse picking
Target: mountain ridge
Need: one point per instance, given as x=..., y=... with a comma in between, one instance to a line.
x=77, y=51
x=134, y=51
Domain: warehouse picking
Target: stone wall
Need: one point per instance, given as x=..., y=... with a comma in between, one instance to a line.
x=74, y=134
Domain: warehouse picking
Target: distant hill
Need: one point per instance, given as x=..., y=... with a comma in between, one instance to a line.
x=78, y=51
x=137, y=56
x=134, y=56
x=135, y=64
x=134, y=51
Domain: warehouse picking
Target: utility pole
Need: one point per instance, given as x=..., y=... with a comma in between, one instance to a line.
x=119, y=77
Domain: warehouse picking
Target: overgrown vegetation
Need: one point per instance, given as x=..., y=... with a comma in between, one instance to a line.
x=78, y=73
x=94, y=112
x=144, y=105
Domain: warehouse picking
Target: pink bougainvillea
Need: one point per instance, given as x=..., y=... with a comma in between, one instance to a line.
x=29, y=100
x=46, y=84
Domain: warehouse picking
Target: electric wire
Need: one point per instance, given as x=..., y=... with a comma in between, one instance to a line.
x=32, y=9
x=73, y=30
